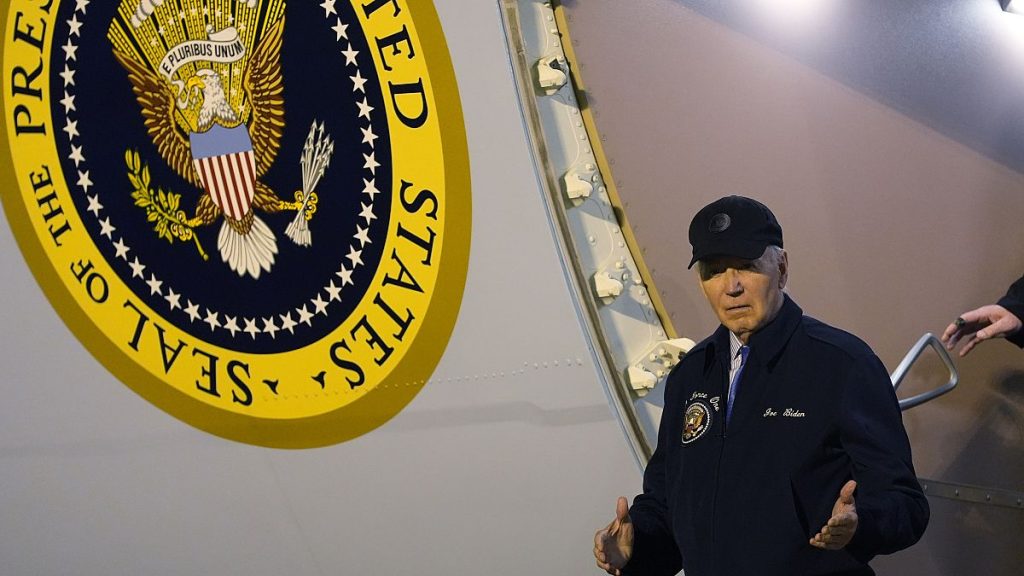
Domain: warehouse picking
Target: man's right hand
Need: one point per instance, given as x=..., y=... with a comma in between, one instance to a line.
x=613, y=545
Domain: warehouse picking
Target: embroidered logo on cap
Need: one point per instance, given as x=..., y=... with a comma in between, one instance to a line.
x=719, y=222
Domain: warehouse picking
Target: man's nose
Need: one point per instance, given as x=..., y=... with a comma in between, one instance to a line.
x=733, y=285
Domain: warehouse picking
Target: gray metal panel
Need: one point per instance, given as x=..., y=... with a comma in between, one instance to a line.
x=892, y=226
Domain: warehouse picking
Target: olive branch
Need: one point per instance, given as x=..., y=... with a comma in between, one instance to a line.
x=162, y=208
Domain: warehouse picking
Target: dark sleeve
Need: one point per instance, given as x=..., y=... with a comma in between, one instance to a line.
x=1014, y=302
x=654, y=549
x=892, y=510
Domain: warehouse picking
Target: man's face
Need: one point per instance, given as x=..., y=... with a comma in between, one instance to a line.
x=745, y=294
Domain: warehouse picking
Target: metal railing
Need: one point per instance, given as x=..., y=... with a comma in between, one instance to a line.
x=915, y=352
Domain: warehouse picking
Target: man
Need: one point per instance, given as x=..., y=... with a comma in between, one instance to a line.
x=999, y=320
x=781, y=450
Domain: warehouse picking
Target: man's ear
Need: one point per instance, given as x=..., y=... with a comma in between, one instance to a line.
x=783, y=269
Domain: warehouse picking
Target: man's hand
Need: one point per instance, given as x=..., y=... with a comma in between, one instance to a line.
x=981, y=324
x=613, y=545
x=840, y=528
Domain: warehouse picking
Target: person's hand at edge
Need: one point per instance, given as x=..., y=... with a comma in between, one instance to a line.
x=978, y=325
x=613, y=544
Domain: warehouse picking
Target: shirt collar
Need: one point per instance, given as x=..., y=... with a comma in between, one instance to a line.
x=734, y=344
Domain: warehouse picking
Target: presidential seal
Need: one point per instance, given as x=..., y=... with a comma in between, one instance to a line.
x=255, y=213
x=697, y=421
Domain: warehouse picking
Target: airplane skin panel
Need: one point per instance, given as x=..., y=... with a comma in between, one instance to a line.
x=506, y=461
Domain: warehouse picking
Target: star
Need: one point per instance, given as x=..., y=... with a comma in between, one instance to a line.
x=76, y=155
x=71, y=127
x=250, y=328
x=137, y=268
x=75, y=26
x=304, y=315
x=369, y=136
x=340, y=29
x=211, y=319
x=369, y=187
x=356, y=256
x=371, y=163
x=121, y=249
x=80, y=5
x=333, y=292
x=358, y=82
x=350, y=55
x=83, y=180
x=345, y=274
x=361, y=235
x=287, y=323
x=270, y=328
x=95, y=206
x=192, y=310
x=70, y=51
x=367, y=212
x=231, y=325
x=106, y=228
x=68, y=101
x=173, y=299
x=154, y=285
x=364, y=109
x=320, y=304
x=328, y=6
x=68, y=75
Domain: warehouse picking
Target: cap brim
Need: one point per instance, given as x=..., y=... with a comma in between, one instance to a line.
x=745, y=250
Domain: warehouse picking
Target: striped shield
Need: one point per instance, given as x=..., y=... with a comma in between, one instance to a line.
x=224, y=160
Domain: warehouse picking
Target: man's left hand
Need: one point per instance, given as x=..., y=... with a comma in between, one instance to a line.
x=840, y=528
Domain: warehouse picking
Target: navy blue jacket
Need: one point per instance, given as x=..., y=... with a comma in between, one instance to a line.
x=815, y=408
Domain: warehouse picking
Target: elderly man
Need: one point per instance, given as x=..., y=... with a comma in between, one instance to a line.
x=781, y=450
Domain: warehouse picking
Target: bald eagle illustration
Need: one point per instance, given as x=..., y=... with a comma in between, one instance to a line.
x=224, y=152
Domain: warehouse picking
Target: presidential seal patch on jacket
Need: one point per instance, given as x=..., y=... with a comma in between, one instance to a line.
x=697, y=421
x=255, y=213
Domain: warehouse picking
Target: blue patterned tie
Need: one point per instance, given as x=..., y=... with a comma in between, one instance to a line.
x=735, y=384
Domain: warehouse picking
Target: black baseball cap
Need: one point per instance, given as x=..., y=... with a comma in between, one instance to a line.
x=733, y=226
